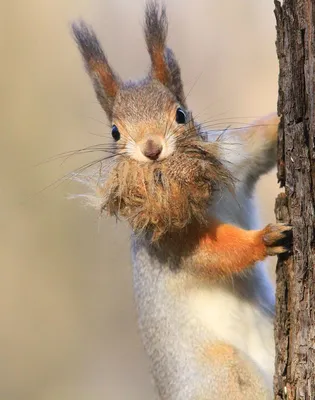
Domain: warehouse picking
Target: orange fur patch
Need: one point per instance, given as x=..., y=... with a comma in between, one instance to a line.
x=226, y=249
x=220, y=353
x=106, y=77
x=159, y=66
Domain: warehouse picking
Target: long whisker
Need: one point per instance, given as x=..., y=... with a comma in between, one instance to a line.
x=95, y=134
x=79, y=170
x=114, y=151
x=193, y=85
x=241, y=127
x=95, y=147
x=206, y=128
x=70, y=174
x=213, y=123
x=213, y=116
x=101, y=122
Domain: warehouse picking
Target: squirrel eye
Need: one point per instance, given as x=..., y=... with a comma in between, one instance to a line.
x=180, y=116
x=115, y=133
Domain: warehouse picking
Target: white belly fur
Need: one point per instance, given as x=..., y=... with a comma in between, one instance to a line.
x=233, y=320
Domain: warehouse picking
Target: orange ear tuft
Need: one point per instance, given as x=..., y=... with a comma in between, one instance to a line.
x=105, y=75
x=159, y=67
x=105, y=81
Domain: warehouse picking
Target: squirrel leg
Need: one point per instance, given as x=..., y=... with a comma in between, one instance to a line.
x=233, y=374
x=225, y=249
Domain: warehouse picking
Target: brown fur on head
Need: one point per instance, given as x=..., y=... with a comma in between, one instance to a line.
x=164, y=173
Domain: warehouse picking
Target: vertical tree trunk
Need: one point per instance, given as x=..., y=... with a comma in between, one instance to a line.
x=295, y=309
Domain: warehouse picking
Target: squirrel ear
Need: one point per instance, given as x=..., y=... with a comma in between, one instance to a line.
x=164, y=65
x=105, y=82
x=175, y=81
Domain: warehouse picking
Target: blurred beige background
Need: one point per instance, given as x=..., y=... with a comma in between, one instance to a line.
x=67, y=319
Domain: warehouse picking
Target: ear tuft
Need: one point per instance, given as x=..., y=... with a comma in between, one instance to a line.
x=165, y=67
x=106, y=83
x=156, y=27
x=175, y=81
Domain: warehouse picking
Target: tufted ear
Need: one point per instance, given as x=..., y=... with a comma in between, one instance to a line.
x=105, y=81
x=165, y=67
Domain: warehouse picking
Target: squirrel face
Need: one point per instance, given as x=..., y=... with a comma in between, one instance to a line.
x=164, y=174
x=148, y=119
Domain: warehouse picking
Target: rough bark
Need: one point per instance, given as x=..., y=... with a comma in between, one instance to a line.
x=295, y=308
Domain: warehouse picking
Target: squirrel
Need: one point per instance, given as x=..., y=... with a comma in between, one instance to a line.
x=204, y=299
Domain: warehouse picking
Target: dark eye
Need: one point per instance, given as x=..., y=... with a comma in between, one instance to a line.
x=180, y=116
x=115, y=133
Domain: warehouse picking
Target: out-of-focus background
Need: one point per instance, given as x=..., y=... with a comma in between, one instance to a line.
x=67, y=318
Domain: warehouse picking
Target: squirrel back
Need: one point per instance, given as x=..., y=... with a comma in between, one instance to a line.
x=204, y=299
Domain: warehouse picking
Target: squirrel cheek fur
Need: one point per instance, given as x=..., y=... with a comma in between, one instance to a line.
x=204, y=300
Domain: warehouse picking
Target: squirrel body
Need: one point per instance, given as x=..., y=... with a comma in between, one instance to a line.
x=205, y=336
x=204, y=298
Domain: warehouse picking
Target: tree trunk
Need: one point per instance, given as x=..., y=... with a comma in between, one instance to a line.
x=295, y=303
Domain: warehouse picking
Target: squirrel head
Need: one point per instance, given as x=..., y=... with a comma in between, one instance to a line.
x=143, y=114
x=166, y=172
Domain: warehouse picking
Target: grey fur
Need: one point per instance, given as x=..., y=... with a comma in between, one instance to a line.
x=156, y=26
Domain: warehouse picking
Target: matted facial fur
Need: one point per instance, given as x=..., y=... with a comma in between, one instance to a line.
x=165, y=196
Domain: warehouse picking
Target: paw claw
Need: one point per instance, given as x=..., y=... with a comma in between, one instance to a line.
x=277, y=238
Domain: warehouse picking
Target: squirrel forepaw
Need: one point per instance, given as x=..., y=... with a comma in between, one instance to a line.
x=277, y=238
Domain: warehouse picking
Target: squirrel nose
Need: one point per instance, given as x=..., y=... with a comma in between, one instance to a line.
x=152, y=150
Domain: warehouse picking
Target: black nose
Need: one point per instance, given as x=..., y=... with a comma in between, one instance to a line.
x=152, y=150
